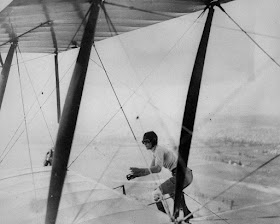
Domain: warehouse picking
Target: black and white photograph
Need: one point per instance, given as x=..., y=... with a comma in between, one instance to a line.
x=139, y=111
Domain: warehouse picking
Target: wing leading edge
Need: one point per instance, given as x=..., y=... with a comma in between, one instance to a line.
x=47, y=26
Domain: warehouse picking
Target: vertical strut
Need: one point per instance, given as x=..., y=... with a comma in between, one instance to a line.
x=1, y=61
x=69, y=117
x=190, y=112
x=47, y=14
x=57, y=86
x=6, y=70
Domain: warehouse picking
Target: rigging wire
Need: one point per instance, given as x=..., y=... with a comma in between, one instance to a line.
x=121, y=106
x=7, y=152
x=235, y=91
x=35, y=58
x=105, y=71
x=31, y=118
x=93, y=140
x=278, y=65
x=264, y=164
x=40, y=106
x=97, y=182
x=233, y=185
x=29, y=31
x=78, y=29
x=115, y=93
x=240, y=181
x=194, y=201
x=255, y=206
x=216, y=214
x=139, y=9
x=166, y=206
x=108, y=20
x=151, y=73
x=154, y=105
x=27, y=136
x=249, y=32
x=246, y=33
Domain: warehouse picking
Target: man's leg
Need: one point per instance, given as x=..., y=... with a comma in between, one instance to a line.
x=186, y=211
x=158, y=197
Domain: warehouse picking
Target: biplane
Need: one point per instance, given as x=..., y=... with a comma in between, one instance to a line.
x=90, y=77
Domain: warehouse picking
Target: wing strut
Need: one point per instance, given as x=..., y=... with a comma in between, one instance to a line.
x=47, y=14
x=57, y=86
x=1, y=61
x=69, y=116
x=6, y=70
x=190, y=112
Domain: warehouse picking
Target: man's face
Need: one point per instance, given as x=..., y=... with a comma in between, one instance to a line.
x=148, y=144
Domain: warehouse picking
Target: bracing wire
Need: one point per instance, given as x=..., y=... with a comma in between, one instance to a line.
x=194, y=201
x=40, y=106
x=5, y=150
x=268, y=56
x=115, y=93
x=134, y=91
x=246, y=33
x=247, y=176
x=97, y=182
x=26, y=130
x=233, y=185
x=253, y=33
x=139, y=9
x=157, y=175
x=26, y=112
x=78, y=29
x=267, y=162
x=29, y=31
x=123, y=105
x=214, y=213
x=94, y=139
x=108, y=20
x=36, y=58
x=171, y=49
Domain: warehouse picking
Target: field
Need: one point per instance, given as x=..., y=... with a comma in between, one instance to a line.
x=236, y=171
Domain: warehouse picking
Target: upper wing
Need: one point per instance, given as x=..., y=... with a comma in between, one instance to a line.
x=47, y=26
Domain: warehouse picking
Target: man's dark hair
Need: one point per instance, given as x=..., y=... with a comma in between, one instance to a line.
x=150, y=136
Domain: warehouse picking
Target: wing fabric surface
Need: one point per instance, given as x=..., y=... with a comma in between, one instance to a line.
x=47, y=26
x=83, y=200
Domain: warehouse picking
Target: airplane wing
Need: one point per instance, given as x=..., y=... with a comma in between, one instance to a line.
x=48, y=26
x=83, y=200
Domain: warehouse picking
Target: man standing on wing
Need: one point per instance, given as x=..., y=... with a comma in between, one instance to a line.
x=162, y=157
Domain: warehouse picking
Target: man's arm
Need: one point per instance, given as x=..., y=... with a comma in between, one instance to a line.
x=139, y=172
x=155, y=168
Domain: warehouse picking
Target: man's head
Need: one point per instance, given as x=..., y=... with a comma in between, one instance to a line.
x=150, y=139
